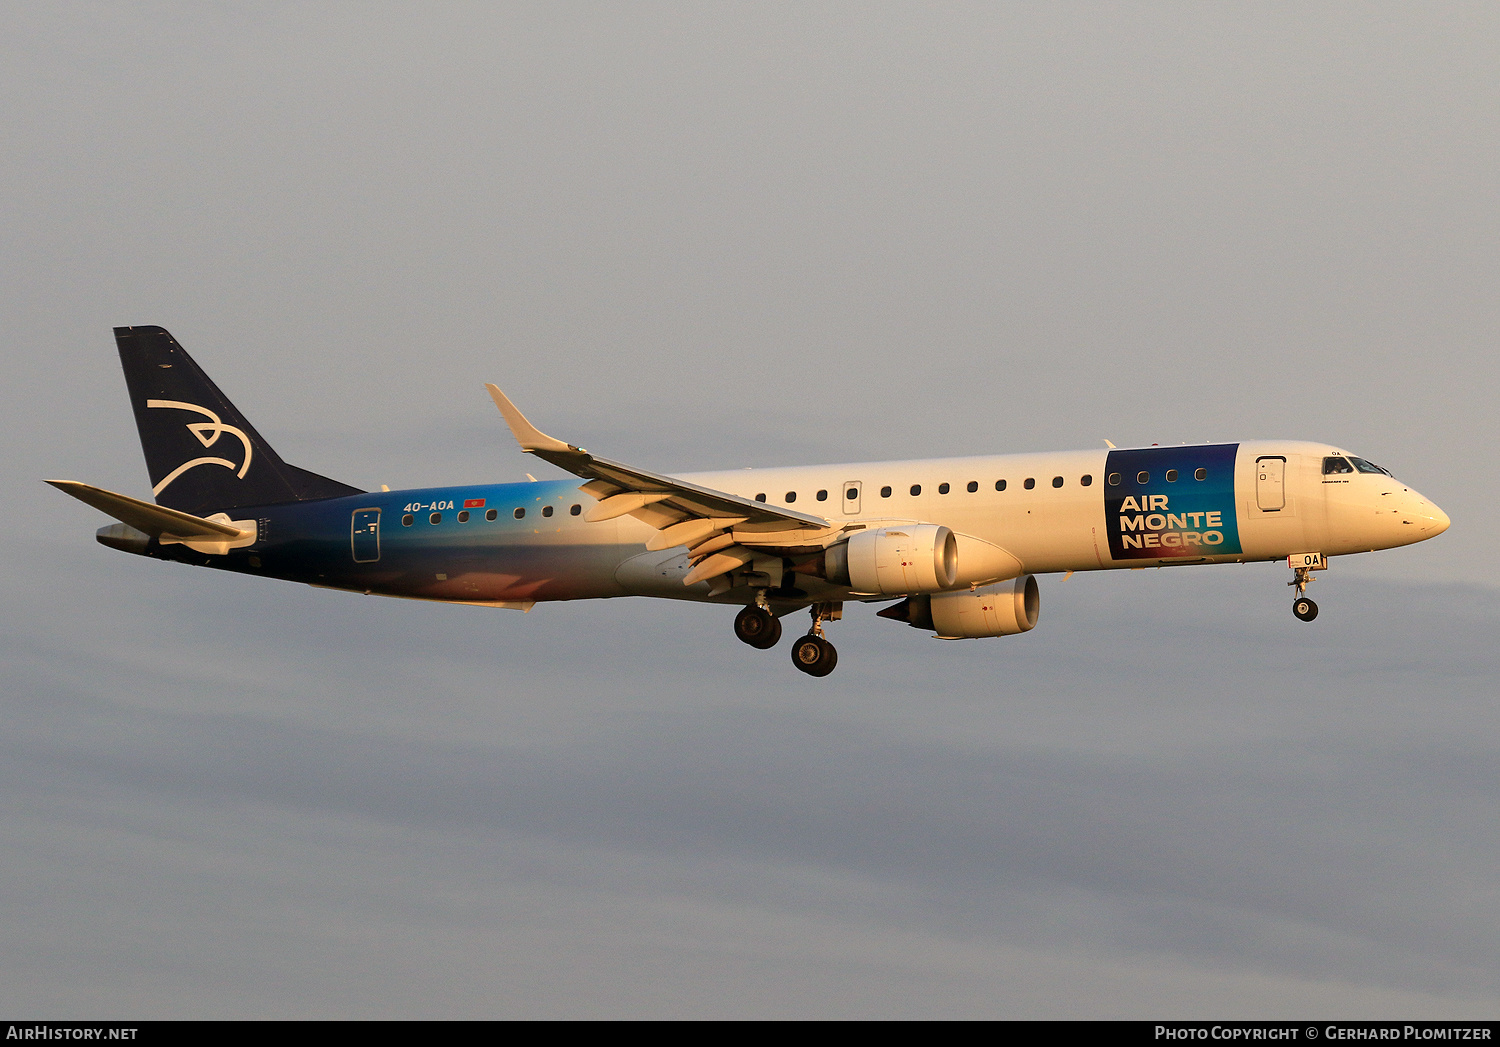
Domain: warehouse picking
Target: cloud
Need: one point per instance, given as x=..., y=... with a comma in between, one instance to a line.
x=1259, y=831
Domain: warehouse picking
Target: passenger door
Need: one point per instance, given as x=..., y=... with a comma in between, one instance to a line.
x=1270, y=483
x=364, y=535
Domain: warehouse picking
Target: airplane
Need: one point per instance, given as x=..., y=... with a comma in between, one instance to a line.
x=956, y=543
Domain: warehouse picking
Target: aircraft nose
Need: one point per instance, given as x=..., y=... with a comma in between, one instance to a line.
x=1429, y=520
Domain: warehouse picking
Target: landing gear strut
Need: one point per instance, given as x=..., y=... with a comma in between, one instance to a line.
x=812, y=654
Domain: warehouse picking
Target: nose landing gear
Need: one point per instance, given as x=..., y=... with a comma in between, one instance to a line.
x=1303, y=565
x=812, y=654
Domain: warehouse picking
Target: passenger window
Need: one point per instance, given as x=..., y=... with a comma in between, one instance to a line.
x=942, y=488
x=491, y=514
x=853, y=493
x=760, y=498
x=1143, y=477
x=916, y=489
x=1200, y=473
x=999, y=485
x=973, y=486
x=1171, y=476
x=1114, y=479
x=463, y=516
x=520, y=514
x=1030, y=483
x=1057, y=481
x=575, y=510
x=546, y=510
x=1085, y=480
x=408, y=520
x=435, y=518
x=822, y=496
x=791, y=496
x=885, y=492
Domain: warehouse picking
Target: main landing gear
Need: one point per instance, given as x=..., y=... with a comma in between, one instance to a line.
x=758, y=627
x=812, y=654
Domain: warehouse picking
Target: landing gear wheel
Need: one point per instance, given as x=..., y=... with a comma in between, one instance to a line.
x=814, y=655
x=1302, y=607
x=758, y=627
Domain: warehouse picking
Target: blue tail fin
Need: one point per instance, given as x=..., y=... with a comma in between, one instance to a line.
x=202, y=454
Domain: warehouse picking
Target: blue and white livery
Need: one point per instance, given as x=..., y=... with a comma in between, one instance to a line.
x=955, y=542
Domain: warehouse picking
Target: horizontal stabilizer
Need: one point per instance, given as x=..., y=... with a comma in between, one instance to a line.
x=155, y=520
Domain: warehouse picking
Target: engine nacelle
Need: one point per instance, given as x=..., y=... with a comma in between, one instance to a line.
x=1002, y=609
x=919, y=558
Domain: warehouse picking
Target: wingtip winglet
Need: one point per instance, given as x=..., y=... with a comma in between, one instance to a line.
x=527, y=435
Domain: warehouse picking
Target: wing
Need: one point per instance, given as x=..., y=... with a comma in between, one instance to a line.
x=722, y=531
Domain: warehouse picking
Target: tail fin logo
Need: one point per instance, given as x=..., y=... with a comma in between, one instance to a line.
x=208, y=434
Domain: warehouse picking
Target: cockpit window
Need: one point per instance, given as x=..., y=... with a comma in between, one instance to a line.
x=1334, y=464
x=1368, y=467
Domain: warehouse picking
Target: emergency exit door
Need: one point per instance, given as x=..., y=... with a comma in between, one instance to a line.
x=851, y=497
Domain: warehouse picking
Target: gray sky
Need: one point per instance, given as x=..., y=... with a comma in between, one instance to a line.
x=695, y=236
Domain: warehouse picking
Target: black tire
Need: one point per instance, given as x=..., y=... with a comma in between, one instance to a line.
x=773, y=637
x=814, y=655
x=758, y=628
x=1304, y=609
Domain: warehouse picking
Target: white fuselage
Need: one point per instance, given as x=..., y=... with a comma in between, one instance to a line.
x=1066, y=527
x=1083, y=511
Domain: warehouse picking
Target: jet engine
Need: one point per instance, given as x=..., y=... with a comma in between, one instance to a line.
x=919, y=558
x=1002, y=609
